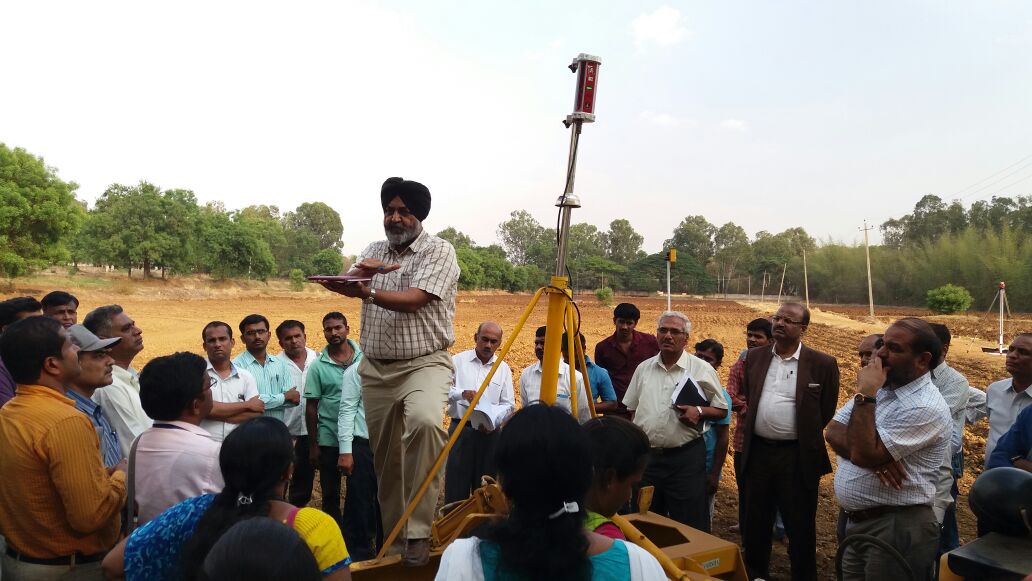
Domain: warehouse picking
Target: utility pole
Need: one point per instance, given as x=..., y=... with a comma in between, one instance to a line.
x=867, y=250
x=806, y=280
x=782, y=285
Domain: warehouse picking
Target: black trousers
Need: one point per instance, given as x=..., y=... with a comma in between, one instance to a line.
x=679, y=475
x=361, y=523
x=740, y=480
x=773, y=481
x=470, y=458
x=304, y=474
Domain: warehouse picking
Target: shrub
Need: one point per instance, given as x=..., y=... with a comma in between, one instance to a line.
x=604, y=296
x=297, y=279
x=949, y=299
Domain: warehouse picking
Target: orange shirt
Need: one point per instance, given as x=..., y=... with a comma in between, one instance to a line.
x=56, y=497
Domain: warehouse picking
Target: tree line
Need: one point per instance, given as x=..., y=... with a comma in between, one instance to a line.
x=167, y=231
x=152, y=230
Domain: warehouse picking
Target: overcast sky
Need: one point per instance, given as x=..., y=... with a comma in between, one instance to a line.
x=769, y=114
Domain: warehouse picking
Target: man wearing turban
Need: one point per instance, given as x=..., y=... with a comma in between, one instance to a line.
x=407, y=314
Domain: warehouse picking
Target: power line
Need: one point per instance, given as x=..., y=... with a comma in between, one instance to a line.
x=1019, y=162
x=1004, y=188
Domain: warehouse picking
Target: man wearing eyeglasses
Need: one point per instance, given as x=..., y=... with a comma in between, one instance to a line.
x=275, y=382
x=791, y=392
x=671, y=397
x=234, y=391
x=176, y=459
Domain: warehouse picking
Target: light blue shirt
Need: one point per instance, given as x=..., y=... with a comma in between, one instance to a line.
x=274, y=379
x=110, y=448
x=601, y=383
x=351, y=422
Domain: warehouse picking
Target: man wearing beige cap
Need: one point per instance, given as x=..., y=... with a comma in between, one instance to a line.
x=96, y=364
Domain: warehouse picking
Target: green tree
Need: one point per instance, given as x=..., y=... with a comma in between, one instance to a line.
x=731, y=248
x=327, y=261
x=318, y=219
x=519, y=234
x=38, y=213
x=456, y=238
x=140, y=225
x=693, y=237
x=622, y=243
x=231, y=249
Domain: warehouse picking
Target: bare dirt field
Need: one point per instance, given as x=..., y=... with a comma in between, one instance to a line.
x=172, y=314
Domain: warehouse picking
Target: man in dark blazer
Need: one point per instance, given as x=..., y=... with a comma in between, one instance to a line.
x=792, y=393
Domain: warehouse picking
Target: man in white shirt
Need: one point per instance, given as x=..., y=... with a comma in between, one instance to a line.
x=235, y=392
x=1006, y=398
x=473, y=453
x=530, y=383
x=791, y=391
x=298, y=357
x=954, y=390
x=121, y=399
x=891, y=438
x=176, y=459
x=677, y=461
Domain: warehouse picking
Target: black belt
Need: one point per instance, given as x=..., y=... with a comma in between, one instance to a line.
x=775, y=443
x=70, y=560
x=681, y=448
x=859, y=516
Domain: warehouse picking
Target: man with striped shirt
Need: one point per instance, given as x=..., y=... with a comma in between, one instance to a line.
x=407, y=315
x=59, y=507
x=275, y=382
x=96, y=364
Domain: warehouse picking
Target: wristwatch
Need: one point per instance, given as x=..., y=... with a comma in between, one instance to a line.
x=860, y=399
x=371, y=298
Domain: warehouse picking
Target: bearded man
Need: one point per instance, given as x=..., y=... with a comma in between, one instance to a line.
x=407, y=314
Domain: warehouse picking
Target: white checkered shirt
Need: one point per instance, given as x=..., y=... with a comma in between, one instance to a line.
x=429, y=264
x=914, y=425
x=954, y=389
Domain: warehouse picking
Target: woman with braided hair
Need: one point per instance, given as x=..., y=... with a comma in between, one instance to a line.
x=544, y=465
x=256, y=461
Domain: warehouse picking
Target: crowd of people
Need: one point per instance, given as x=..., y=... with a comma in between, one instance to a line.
x=203, y=467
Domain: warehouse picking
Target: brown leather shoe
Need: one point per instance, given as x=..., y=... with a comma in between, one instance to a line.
x=417, y=553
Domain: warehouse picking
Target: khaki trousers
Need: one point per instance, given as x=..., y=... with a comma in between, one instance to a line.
x=15, y=570
x=404, y=407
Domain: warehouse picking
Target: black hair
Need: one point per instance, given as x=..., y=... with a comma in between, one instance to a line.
x=11, y=308
x=583, y=341
x=98, y=321
x=618, y=445
x=58, y=299
x=334, y=315
x=711, y=345
x=215, y=325
x=543, y=458
x=626, y=311
x=540, y=332
x=253, y=319
x=254, y=459
x=260, y=549
x=27, y=343
x=924, y=338
x=806, y=312
x=169, y=384
x=761, y=325
x=942, y=332
x=289, y=324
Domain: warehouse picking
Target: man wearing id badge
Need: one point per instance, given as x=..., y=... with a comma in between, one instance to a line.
x=671, y=396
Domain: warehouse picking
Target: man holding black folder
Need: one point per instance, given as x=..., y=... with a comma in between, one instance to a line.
x=671, y=396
